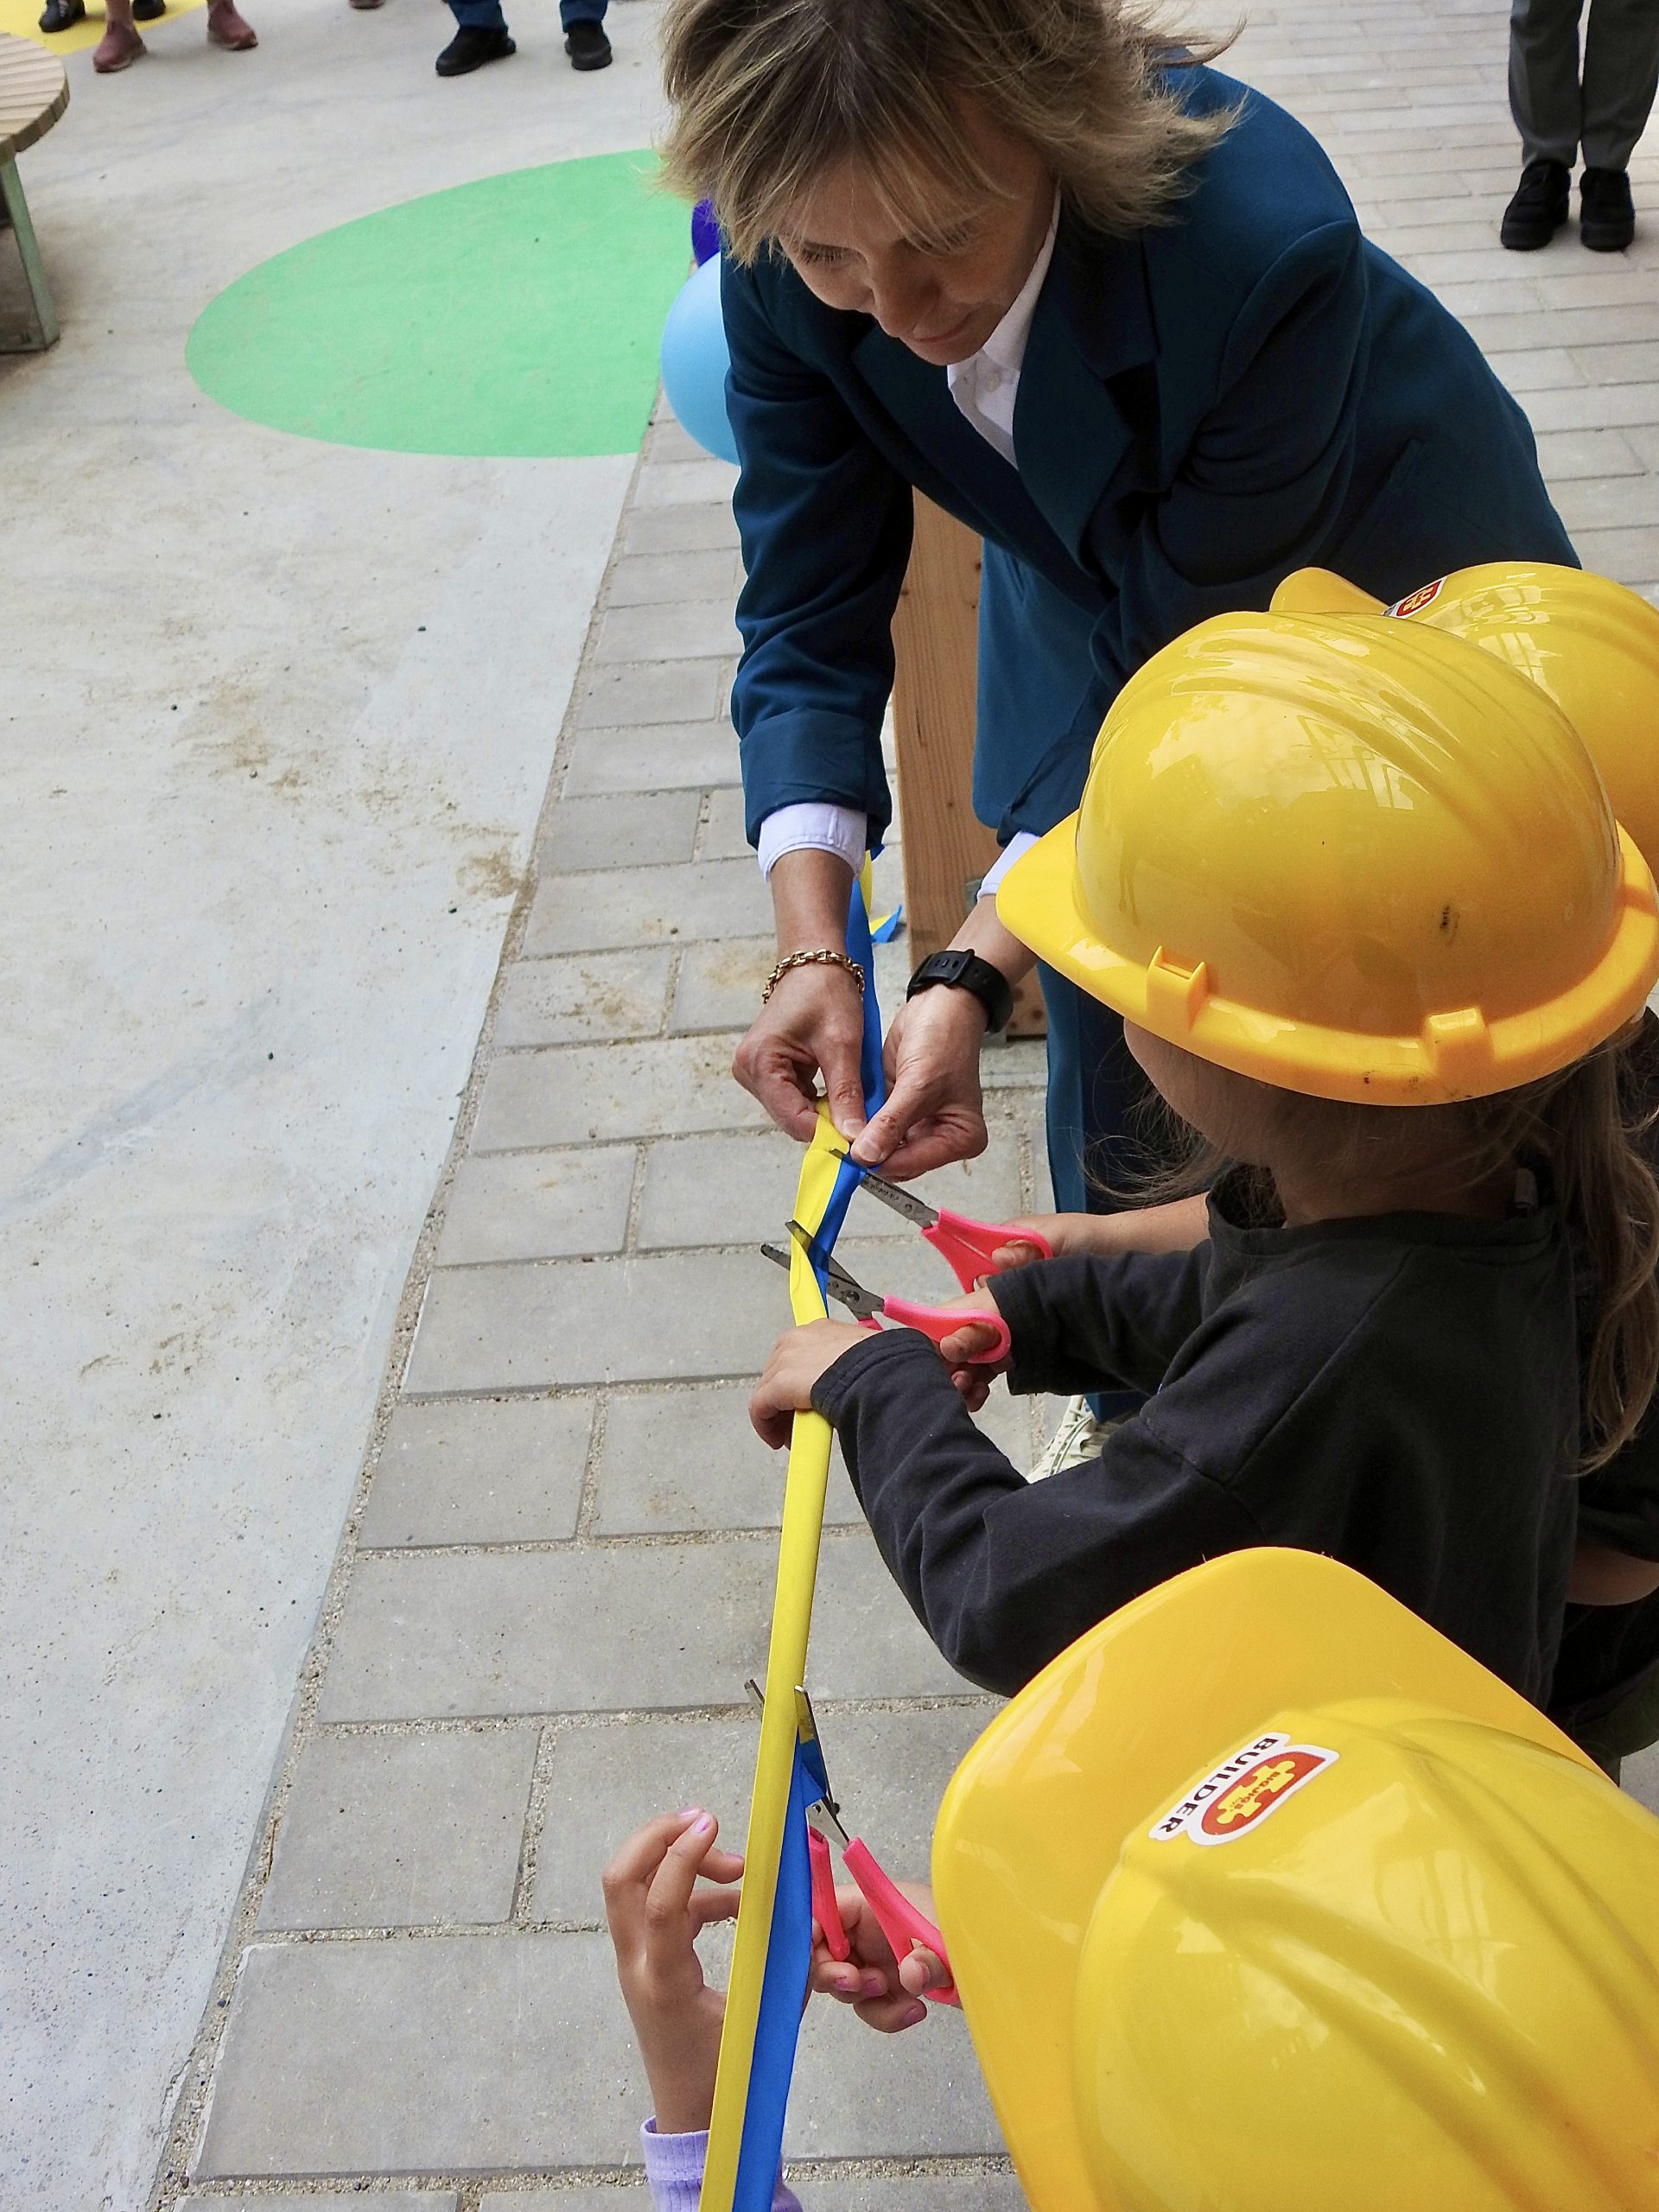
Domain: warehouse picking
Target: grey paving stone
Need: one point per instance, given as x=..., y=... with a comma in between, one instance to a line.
x=623, y=906
x=644, y=830
x=889, y=1769
x=855, y=2096
x=672, y=579
x=668, y=1318
x=986, y=2192
x=720, y=983
x=479, y=1471
x=684, y=1457
x=401, y=1831
x=428, y=2053
x=685, y=483
x=431, y=1634
x=695, y=755
x=309, y=2200
x=721, y=1190
x=586, y=997
x=680, y=529
x=691, y=630
x=627, y=2195
x=627, y=693
x=539, y=1205
x=724, y=835
x=670, y=440
x=1641, y=1777
x=665, y=1087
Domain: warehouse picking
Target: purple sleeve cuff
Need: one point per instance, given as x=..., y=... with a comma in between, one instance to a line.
x=674, y=2173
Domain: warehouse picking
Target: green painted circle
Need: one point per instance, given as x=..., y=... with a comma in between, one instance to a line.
x=519, y=315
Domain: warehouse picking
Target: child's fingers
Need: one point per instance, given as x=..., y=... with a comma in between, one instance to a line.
x=634, y=1863
x=922, y=1970
x=668, y=1893
x=965, y=1343
x=708, y=1905
x=1016, y=1253
x=890, y=2016
x=973, y=1385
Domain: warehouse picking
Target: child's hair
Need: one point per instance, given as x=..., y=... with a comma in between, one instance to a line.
x=769, y=96
x=1579, y=1126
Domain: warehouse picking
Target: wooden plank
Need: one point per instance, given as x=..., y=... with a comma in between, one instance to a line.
x=33, y=92
x=936, y=643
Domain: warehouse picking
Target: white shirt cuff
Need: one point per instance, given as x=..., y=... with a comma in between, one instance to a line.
x=814, y=825
x=1020, y=844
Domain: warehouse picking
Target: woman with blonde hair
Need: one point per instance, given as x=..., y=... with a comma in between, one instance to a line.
x=1113, y=311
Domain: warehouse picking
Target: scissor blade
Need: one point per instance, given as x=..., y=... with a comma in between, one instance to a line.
x=776, y=1254
x=863, y=1304
x=902, y=1201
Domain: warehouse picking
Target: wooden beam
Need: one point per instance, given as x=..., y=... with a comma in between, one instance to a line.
x=936, y=641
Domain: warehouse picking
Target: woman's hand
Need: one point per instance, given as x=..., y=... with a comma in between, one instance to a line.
x=885, y=1993
x=933, y=1112
x=798, y=1360
x=656, y=1907
x=813, y=1021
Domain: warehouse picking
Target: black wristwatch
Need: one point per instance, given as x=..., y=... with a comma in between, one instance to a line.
x=968, y=972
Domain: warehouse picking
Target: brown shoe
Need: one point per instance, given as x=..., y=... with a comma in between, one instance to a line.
x=225, y=28
x=119, y=48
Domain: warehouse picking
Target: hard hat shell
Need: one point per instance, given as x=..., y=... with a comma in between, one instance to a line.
x=1589, y=643
x=1347, y=857
x=1264, y=1895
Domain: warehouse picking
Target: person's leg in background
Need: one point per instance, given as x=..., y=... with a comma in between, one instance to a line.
x=1621, y=74
x=582, y=22
x=1544, y=101
x=480, y=36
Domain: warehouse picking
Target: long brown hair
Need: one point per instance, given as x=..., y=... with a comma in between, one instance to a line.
x=770, y=96
x=1583, y=1127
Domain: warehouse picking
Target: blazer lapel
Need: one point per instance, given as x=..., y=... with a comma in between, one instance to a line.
x=1093, y=323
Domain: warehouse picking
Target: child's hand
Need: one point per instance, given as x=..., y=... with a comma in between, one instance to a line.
x=654, y=1908
x=799, y=1359
x=965, y=1345
x=885, y=1993
x=1176, y=1227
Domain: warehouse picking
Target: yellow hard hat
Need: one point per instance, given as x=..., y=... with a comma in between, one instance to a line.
x=1347, y=857
x=1592, y=645
x=1265, y=1897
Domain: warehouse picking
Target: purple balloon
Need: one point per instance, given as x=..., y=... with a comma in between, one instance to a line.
x=705, y=231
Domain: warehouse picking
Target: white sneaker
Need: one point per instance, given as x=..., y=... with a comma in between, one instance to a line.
x=1079, y=1437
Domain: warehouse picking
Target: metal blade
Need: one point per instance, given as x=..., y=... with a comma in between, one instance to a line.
x=776, y=1254
x=902, y=1201
x=863, y=1304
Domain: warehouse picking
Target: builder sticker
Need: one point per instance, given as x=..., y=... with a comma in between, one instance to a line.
x=1415, y=602
x=1242, y=1790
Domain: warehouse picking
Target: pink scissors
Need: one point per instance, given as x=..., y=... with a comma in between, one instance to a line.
x=935, y=1322
x=902, y=1923
x=969, y=1246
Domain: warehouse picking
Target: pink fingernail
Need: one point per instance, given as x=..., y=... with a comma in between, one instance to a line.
x=704, y=1826
x=917, y=2014
x=689, y=1812
x=874, y=1986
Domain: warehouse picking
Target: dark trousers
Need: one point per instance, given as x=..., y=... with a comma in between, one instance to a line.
x=1605, y=111
x=487, y=15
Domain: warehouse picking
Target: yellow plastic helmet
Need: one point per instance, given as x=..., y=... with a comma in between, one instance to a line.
x=1348, y=856
x=1592, y=645
x=1265, y=1897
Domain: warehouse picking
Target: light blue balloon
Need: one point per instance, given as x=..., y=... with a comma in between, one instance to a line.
x=695, y=360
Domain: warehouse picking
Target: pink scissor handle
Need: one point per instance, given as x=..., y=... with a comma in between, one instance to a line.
x=969, y=1246
x=826, y=1910
x=899, y=1921
x=935, y=1323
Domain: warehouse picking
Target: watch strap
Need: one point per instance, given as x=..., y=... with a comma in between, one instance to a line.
x=966, y=971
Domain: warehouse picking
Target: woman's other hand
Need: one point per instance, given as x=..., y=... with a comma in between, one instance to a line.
x=885, y=1993
x=933, y=1112
x=655, y=1905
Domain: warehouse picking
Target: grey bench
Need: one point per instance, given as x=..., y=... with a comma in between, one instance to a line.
x=33, y=92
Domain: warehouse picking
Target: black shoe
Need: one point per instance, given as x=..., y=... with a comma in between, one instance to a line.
x=470, y=49
x=1539, y=207
x=1606, y=218
x=588, y=47
x=60, y=15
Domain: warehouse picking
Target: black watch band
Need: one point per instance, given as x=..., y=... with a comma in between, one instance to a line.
x=968, y=972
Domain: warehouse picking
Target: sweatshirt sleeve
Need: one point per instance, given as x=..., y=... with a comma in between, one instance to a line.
x=674, y=2167
x=1002, y=1572
x=1087, y=1324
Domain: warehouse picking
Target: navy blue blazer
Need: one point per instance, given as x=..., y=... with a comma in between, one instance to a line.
x=1242, y=391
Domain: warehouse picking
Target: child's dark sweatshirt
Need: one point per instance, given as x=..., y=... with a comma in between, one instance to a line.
x=1400, y=1391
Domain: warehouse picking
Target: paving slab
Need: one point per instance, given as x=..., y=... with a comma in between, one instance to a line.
x=671, y=630
x=310, y=2199
x=640, y=829
x=676, y=579
x=724, y=836
x=479, y=1471
x=401, y=1831
x=537, y=1205
x=819, y=2191
x=685, y=483
x=666, y=1088
x=585, y=998
x=720, y=984
x=592, y=912
x=707, y=527
x=891, y=1769
x=615, y=1628
x=680, y=1459
x=662, y=756
x=624, y=694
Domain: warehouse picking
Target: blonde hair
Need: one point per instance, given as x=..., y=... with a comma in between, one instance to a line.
x=770, y=96
x=1582, y=1126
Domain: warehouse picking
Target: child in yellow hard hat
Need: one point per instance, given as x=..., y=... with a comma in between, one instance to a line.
x=1357, y=890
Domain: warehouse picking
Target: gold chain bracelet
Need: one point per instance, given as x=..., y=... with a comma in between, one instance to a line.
x=825, y=958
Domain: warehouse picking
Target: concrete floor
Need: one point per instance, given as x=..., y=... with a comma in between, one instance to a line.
x=277, y=723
